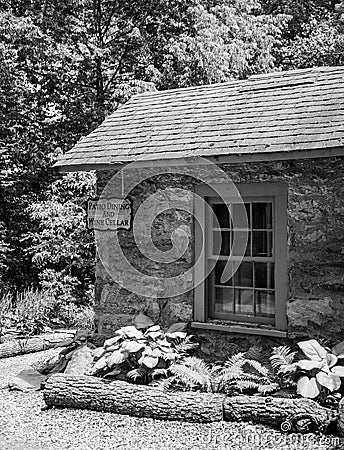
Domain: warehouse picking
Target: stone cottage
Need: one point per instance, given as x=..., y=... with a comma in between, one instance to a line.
x=278, y=141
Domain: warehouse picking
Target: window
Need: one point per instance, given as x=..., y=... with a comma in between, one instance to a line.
x=246, y=287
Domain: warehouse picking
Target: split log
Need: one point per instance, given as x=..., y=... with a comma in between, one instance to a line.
x=86, y=392
x=274, y=411
x=341, y=418
x=33, y=344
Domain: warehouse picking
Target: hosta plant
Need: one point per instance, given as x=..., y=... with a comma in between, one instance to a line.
x=319, y=370
x=238, y=374
x=140, y=356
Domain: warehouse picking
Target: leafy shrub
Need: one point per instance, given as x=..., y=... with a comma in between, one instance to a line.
x=84, y=318
x=140, y=356
x=314, y=377
x=5, y=309
x=238, y=374
x=33, y=309
x=62, y=287
x=282, y=362
x=319, y=371
x=60, y=247
x=70, y=309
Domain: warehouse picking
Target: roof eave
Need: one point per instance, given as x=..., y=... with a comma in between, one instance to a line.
x=220, y=159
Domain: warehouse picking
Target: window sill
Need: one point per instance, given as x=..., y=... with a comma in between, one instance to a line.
x=239, y=329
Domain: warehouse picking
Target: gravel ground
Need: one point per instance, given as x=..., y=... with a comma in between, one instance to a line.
x=24, y=426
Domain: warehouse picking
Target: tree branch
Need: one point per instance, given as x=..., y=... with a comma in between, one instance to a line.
x=113, y=76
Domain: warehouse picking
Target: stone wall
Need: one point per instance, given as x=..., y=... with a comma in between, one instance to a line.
x=316, y=247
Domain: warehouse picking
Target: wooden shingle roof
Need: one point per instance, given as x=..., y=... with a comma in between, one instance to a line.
x=283, y=113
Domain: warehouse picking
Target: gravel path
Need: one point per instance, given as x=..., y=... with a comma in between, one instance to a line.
x=23, y=426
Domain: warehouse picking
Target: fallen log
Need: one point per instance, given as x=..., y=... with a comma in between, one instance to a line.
x=86, y=392
x=341, y=418
x=274, y=411
x=33, y=344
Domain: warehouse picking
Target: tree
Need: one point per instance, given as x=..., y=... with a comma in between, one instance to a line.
x=66, y=64
x=61, y=249
x=320, y=44
x=228, y=40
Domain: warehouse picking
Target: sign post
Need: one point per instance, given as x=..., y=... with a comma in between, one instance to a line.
x=109, y=214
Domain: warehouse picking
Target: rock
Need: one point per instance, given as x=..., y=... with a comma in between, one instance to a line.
x=81, y=361
x=307, y=316
x=47, y=360
x=26, y=380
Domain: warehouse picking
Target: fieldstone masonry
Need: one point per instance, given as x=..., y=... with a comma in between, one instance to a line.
x=316, y=253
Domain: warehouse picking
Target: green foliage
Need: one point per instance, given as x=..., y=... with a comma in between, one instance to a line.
x=285, y=368
x=64, y=66
x=222, y=42
x=314, y=377
x=319, y=372
x=61, y=249
x=32, y=311
x=238, y=374
x=140, y=356
x=282, y=359
x=320, y=43
x=84, y=318
x=5, y=309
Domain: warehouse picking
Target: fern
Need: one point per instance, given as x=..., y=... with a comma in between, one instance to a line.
x=185, y=346
x=268, y=388
x=137, y=374
x=244, y=385
x=257, y=366
x=166, y=385
x=193, y=373
x=157, y=373
x=235, y=360
x=282, y=359
x=257, y=353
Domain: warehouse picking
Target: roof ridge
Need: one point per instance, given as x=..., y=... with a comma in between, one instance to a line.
x=242, y=82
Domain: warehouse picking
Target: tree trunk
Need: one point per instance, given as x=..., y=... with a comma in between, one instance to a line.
x=33, y=344
x=119, y=397
x=341, y=418
x=275, y=410
x=85, y=392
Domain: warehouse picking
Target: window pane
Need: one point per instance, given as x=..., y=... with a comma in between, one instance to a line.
x=244, y=275
x=241, y=215
x=262, y=215
x=261, y=243
x=265, y=303
x=224, y=300
x=264, y=275
x=239, y=248
x=222, y=213
x=221, y=242
x=220, y=272
x=244, y=301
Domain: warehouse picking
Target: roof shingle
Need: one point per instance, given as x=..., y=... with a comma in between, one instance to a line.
x=298, y=110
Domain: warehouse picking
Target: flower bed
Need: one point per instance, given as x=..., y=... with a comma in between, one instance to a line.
x=144, y=370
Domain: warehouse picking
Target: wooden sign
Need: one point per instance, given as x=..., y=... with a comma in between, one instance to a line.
x=109, y=214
